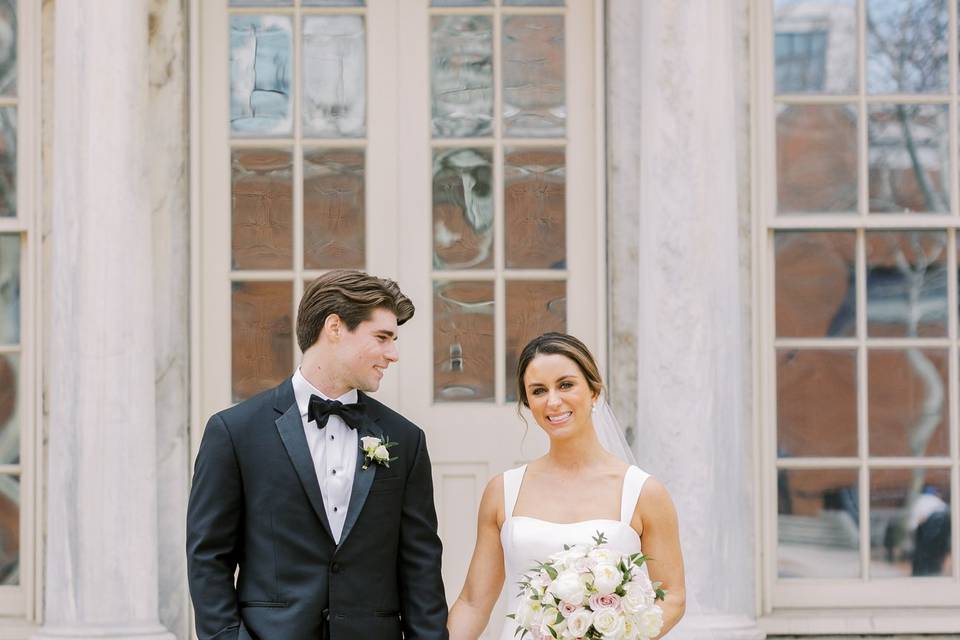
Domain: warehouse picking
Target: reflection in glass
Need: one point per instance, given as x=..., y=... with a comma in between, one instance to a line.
x=8, y=162
x=816, y=402
x=815, y=46
x=534, y=99
x=533, y=307
x=534, y=202
x=261, y=49
x=816, y=158
x=9, y=288
x=908, y=403
x=9, y=530
x=262, y=336
x=461, y=73
x=262, y=209
x=906, y=283
x=818, y=524
x=462, y=209
x=333, y=209
x=463, y=348
x=8, y=47
x=909, y=522
x=815, y=284
x=9, y=409
x=909, y=158
x=907, y=45
x=334, y=76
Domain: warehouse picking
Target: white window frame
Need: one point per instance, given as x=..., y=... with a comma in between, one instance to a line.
x=19, y=605
x=811, y=606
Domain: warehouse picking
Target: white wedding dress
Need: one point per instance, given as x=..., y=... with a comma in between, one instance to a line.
x=527, y=540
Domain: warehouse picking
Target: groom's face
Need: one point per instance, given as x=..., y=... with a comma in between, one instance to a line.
x=367, y=351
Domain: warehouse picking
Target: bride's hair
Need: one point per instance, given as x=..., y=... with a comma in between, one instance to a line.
x=562, y=344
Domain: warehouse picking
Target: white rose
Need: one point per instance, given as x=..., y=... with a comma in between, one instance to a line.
x=550, y=620
x=527, y=613
x=639, y=596
x=604, y=556
x=569, y=587
x=579, y=622
x=369, y=442
x=606, y=578
x=650, y=622
x=381, y=453
x=610, y=624
x=568, y=556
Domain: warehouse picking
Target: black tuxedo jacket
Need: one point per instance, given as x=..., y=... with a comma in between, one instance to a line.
x=256, y=504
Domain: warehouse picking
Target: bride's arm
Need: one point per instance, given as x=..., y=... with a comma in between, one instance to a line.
x=656, y=518
x=470, y=613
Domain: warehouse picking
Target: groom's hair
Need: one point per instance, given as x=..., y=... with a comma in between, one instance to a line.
x=561, y=344
x=352, y=295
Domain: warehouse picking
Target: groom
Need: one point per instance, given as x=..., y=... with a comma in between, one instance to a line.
x=332, y=540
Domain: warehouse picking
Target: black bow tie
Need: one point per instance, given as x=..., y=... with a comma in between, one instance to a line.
x=319, y=410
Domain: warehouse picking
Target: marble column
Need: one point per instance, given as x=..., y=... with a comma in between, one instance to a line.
x=672, y=78
x=101, y=543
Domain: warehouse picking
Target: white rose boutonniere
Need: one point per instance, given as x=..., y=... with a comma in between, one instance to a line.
x=376, y=450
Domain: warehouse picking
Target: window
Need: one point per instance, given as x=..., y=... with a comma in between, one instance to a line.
x=857, y=220
x=19, y=55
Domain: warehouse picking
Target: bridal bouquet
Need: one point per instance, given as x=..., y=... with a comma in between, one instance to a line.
x=590, y=593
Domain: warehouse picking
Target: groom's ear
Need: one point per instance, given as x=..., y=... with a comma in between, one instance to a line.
x=332, y=326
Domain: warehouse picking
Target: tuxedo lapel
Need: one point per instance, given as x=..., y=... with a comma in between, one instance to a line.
x=290, y=426
x=362, y=478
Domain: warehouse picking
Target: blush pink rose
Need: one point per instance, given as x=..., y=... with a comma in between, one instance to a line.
x=567, y=608
x=609, y=601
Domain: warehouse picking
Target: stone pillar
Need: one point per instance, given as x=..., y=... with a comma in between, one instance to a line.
x=679, y=173
x=101, y=542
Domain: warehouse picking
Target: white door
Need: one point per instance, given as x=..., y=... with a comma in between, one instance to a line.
x=454, y=148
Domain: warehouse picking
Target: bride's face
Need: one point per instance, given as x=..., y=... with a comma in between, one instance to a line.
x=558, y=394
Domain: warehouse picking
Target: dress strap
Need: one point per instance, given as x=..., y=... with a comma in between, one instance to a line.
x=632, y=486
x=512, y=480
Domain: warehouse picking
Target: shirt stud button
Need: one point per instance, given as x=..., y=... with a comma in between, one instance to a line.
x=335, y=509
x=334, y=472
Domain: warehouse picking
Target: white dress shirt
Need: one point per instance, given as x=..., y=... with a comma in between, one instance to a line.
x=334, y=453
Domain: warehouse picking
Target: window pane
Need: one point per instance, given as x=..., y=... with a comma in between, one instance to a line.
x=461, y=73
x=463, y=346
x=461, y=3
x=462, y=209
x=909, y=522
x=9, y=408
x=816, y=158
x=9, y=530
x=9, y=288
x=907, y=46
x=262, y=338
x=534, y=201
x=906, y=283
x=817, y=524
x=262, y=209
x=261, y=50
x=332, y=3
x=8, y=47
x=533, y=308
x=907, y=402
x=333, y=209
x=8, y=162
x=261, y=3
x=816, y=402
x=815, y=284
x=909, y=158
x=815, y=46
x=533, y=3
x=334, y=76
x=534, y=101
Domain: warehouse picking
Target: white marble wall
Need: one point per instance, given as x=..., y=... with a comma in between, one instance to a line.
x=678, y=176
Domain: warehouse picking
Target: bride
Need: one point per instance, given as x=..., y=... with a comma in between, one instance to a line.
x=577, y=489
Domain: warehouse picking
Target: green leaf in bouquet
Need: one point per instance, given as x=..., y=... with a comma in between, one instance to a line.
x=661, y=594
x=600, y=538
x=552, y=631
x=512, y=616
x=549, y=569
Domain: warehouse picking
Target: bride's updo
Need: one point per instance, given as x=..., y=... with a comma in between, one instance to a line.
x=564, y=345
